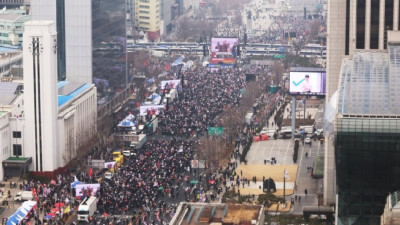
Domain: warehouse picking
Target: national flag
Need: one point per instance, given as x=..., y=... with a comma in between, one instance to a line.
x=286, y=174
x=90, y=172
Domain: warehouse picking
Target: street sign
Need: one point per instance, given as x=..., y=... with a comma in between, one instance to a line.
x=215, y=130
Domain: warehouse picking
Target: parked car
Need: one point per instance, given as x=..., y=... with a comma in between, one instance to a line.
x=307, y=141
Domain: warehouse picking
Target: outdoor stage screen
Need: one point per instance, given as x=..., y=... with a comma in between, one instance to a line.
x=224, y=50
x=307, y=83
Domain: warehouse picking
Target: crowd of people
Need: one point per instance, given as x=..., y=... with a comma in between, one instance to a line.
x=205, y=95
x=158, y=172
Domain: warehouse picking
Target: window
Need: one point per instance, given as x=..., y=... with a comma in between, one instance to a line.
x=144, y=12
x=144, y=17
x=16, y=134
x=144, y=6
x=17, y=150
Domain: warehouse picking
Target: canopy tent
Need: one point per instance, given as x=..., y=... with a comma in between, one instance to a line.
x=178, y=61
x=154, y=95
x=21, y=212
x=73, y=185
x=130, y=117
x=126, y=123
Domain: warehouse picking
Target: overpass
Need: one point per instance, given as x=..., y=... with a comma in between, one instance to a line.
x=114, y=104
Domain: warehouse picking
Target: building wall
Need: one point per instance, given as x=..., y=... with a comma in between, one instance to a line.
x=73, y=18
x=5, y=65
x=11, y=31
x=148, y=15
x=5, y=140
x=367, y=153
x=335, y=51
x=77, y=124
x=78, y=40
x=165, y=16
x=109, y=45
x=40, y=96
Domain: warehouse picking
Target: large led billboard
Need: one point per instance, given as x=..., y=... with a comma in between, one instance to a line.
x=224, y=50
x=307, y=83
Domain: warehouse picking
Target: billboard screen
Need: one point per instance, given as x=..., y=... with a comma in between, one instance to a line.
x=307, y=83
x=224, y=50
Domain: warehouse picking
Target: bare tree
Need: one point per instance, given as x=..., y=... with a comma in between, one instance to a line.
x=314, y=25
x=277, y=70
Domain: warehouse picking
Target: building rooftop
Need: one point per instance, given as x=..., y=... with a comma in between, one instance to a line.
x=8, y=92
x=13, y=17
x=216, y=213
x=369, y=83
x=8, y=49
x=67, y=90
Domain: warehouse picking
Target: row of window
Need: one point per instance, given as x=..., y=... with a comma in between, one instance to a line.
x=144, y=17
x=144, y=6
x=144, y=12
x=145, y=1
x=144, y=23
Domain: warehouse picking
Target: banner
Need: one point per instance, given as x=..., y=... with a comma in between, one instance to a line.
x=150, y=109
x=201, y=164
x=86, y=190
x=109, y=165
x=170, y=84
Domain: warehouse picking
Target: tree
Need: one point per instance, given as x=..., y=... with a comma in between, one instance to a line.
x=277, y=71
x=213, y=150
x=314, y=28
x=141, y=60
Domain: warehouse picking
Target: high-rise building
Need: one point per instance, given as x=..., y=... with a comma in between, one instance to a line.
x=74, y=35
x=359, y=164
x=147, y=17
x=166, y=25
x=352, y=25
x=59, y=116
x=109, y=20
x=91, y=40
x=40, y=58
x=355, y=25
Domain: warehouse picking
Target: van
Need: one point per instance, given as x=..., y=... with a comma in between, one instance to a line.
x=108, y=175
x=23, y=196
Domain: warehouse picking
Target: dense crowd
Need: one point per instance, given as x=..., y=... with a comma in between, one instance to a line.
x=205, y=96
x=158, y=172
x=276, y=32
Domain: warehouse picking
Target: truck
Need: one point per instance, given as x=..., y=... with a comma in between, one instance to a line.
x=139, y=141
x=87, y=208
x=118, y=158
x=307, y=129
x=24, y=196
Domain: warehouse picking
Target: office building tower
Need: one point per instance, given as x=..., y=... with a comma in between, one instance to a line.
x=109, y=20
x=166, y=25
x=362, y=68
x=40, y=93
x=352, y=25
x=74, y=35
x=59, y=116
x=147, y=17
x=91, y=40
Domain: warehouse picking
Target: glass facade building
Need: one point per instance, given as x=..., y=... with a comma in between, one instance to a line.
x=367, y=133
x=367, y=153
x=109, y=45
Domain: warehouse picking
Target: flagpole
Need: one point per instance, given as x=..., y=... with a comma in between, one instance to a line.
x=284, y=184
